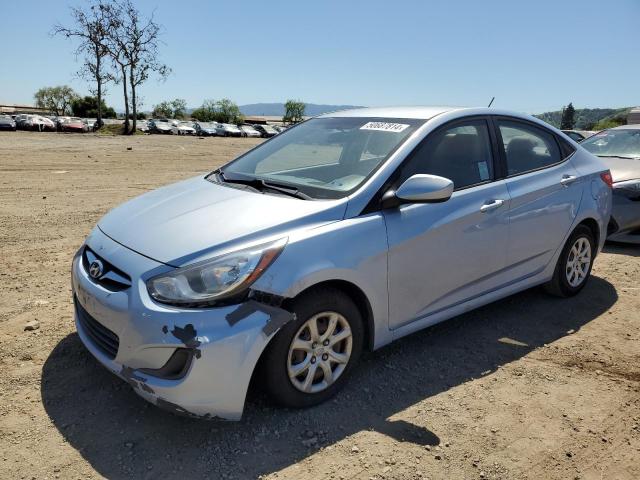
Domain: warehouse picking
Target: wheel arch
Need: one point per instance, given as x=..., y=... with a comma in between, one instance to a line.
x=358, y=296
x=592, y=225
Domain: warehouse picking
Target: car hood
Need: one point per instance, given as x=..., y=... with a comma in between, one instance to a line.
x=622, y=168
x=190, y=220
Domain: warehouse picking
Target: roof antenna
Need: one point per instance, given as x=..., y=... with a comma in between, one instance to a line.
x=491, y=102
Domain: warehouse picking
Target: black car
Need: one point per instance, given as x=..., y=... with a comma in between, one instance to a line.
x=7, y=123
x=206, y=129
x=266, y=130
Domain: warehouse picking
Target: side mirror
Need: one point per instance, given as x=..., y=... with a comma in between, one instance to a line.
x=419, y=188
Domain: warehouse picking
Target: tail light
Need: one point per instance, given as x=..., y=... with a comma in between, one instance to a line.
x=607, y=178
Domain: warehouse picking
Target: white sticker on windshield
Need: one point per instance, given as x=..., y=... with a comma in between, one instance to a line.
x=384, y=126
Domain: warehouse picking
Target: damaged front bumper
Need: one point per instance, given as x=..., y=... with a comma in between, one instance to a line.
x=138, y=339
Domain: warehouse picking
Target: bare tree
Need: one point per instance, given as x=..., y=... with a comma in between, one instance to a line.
x=134, y=43
x=91, y=28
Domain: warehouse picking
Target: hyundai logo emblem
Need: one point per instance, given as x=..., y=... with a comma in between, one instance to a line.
x=95, y=269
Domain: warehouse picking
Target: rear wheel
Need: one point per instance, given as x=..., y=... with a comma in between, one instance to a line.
x=310, y=359
x=574, y=264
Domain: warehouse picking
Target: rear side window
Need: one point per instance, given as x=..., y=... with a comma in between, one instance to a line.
x=461, y=153
x=527, y=147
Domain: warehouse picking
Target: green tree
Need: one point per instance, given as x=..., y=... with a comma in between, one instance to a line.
x=227, y=111
x=609, y=123
x=88, y=107
x=206, y=113
x=170, y=108
x=179, y=106
x=163, y=110
x=56, y=99
x=293, y=111
x=568, y=120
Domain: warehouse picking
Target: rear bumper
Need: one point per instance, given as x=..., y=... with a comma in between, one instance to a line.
x=224, y=354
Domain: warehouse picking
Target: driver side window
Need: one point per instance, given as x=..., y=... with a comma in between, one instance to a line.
x=461, y=153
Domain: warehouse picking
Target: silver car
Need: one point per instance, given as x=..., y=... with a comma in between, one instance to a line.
x=343, y=233
x=619, y=149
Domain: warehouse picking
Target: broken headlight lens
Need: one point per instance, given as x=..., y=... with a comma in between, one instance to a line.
x=206, y=282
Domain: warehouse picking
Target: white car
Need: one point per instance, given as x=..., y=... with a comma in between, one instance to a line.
x=39, y=123
x=183, y=128
x=249, y=131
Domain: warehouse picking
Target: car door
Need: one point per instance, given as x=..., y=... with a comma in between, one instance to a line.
x=441, y=254
x=545, y=193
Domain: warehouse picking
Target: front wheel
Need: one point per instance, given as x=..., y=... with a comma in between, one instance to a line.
x=574, y=264
x=310, y=359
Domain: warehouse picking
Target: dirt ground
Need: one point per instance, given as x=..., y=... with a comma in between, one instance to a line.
x=528, y=387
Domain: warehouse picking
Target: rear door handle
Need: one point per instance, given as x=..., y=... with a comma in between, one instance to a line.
x=491, y=205
x=567, y=180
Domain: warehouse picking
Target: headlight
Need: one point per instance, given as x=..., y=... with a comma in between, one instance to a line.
x=206, y=282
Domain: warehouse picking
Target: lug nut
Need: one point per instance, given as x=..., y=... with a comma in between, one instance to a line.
x=326, y=343
x=325, y=357
x=313, y=359
x=314, y=345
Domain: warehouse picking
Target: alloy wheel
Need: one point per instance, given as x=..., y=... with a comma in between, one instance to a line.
x=578, y=262
x=319, y=352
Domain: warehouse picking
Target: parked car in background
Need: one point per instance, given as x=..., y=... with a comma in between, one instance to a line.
x=159, y=126
x=228, y=130
x=7, y=123
x=73, y=124
x=183, y=128
x=578, y=135
x=90, y=123
x=142, y=125
x=279, y=128
x=20, y=121
x=266, y=130
x=206, y=129
x=619, y=149
x=425, y=213
x=249, y=131
x=37, y=123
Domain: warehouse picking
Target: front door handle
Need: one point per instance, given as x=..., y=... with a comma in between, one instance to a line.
x=491, y=205
x=567, y=180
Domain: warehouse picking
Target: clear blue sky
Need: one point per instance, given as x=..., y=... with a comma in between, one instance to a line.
x=534, y=55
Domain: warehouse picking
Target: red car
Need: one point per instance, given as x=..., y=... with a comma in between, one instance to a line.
x=73, y=124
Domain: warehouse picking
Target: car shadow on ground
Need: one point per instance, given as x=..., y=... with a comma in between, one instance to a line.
x=121, y=435
x=619, y=248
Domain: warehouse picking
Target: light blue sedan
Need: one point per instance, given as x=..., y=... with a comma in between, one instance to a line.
x=343, y=233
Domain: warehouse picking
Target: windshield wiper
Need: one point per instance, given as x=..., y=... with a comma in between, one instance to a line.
x=260, y=185
x=619, y=156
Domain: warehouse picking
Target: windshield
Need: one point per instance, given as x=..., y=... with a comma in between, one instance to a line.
x=325, y=157
x=614, y=143
x=207, y=125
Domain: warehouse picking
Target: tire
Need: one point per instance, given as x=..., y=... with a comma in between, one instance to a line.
x=568, y=281
x=321, y=304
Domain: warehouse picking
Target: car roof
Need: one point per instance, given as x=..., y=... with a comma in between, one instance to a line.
x=424, y=112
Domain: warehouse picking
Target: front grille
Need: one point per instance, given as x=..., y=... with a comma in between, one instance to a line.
x=111, y=278
x=101, y=337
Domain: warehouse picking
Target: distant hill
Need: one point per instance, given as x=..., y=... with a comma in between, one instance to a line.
x=277, y=109
x=586, y=118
